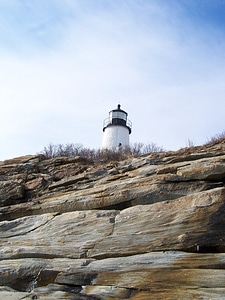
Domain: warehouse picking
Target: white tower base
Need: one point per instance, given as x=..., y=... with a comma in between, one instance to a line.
x=114, y=136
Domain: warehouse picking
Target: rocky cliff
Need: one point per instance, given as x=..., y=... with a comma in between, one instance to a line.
x=150, y=227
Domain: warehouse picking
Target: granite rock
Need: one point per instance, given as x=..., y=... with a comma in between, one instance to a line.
x=150, y=227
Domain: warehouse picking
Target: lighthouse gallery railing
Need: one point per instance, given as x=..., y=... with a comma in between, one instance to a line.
x=110, y=121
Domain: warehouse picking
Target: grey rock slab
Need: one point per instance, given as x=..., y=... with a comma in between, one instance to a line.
x=196, y=219
x=183, y=224
x=25, y=274
x=204, y=169
x=22, y=226
x=149, y=272
x=7, y=293
x=159, y=273
x=67, y=235
x=103, y=194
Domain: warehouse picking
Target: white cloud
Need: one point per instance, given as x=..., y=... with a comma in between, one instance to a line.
x=74, y=62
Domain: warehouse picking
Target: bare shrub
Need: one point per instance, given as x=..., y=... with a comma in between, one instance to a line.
x=152, y=148
x=99, y=156
x=107, y=155
x=189, y=143
x=137, y=149
x=68, y=150
x=218, y=138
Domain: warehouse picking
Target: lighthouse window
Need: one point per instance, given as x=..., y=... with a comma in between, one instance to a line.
x=118, y=115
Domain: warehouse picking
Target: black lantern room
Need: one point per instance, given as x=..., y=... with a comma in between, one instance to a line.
x=117, y=117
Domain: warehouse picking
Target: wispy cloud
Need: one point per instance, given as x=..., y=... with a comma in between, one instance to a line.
x=65, y=64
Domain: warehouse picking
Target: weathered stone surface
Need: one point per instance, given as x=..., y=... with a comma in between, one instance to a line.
x=68, y=235
x=204, y=169
x=151, y=227
x=170, y=275
x=118, y=191
x=35, y=183
x=168, y=225
x=10, y=191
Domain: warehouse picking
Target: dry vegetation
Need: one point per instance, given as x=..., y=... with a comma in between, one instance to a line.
x=99, y=156
x=135, y=150
x=217, y=139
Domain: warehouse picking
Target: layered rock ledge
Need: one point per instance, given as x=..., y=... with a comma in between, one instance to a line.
x=150, y=227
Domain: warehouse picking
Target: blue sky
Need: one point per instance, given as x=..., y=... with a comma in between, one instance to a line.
x=65, y=64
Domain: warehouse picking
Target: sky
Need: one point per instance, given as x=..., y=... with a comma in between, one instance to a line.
x=65, y=64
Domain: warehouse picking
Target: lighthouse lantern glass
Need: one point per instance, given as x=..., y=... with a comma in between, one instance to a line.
x=117, y=115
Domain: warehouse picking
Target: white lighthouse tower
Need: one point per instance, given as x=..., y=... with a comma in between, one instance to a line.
x=116, y=130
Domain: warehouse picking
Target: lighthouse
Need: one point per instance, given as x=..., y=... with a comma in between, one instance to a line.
x=116, y=130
